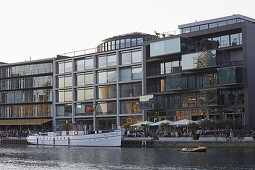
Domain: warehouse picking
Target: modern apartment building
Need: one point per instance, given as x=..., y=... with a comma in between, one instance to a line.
x=207, y=71
x=26, y=94
x=107, y=78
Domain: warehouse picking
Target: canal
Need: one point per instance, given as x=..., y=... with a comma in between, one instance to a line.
x=39, y=157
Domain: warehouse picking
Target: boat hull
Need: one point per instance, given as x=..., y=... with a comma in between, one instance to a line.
x=199, y=149
x=111, y=139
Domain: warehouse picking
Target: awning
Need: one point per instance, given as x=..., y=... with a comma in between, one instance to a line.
x=24, y=121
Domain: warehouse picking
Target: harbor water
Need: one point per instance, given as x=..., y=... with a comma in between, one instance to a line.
x=41, y=157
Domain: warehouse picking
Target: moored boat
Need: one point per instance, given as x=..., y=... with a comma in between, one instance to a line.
x=77, y=138
x=198, y=149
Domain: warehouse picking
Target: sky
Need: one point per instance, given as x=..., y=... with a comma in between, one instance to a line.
x=40, y=29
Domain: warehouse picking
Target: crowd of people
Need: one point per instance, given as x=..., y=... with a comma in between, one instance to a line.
x=182, y=132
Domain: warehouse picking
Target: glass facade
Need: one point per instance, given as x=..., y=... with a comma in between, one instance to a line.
x=106, y=92
x=130, y=57
x=165, y=47
x=131, y=106
x=130, y=73
x=229, y=75
x=108, y=76
x=106, y=61
x=26, y=90
x=84, y=94
x=81, y=109
x=84, y=79
x=131, y=90
x=64, y=110
x=84, y=64
x=64, y=67
x=199, y=60
x=106, y=108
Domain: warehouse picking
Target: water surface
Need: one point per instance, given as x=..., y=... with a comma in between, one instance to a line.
x=41, y=157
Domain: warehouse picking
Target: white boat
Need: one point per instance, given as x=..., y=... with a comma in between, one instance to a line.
x=77, y=138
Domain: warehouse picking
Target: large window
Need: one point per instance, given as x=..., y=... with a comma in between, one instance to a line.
x=64, y=81
x=106, y=61
x=64, y=67
x=199, y=60
x=207, y=98
x=83, y=64
x=188, y=100
x=106, y=108
x=130, y=57
x=64, y=95
x=127, y=74
x=82, y=109
x=106, y=92
x=130, y=106
x=130, y=90
x=164, y=47
x=229, y=75
x=84, y=94
x=64, y=110
x=106, y=76
x=84, y=79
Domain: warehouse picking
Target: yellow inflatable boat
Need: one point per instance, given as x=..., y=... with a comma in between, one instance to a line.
x=198, y=149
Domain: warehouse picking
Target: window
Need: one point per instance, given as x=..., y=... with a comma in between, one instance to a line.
x=89, y=63
x=136, y=56
x=186, y=30
x=64, y=81
x=133, y=42
x=199, y=60
x=106, y=76
x=139, y=41
x=111, y=60
x=106, y=92
x=130, y=90
x=84, y=94
x=235, y=39
x=64, y=95
x=203, y=27
x=188, y=100
x=195, y=28
x=213, y=25
x=64, y=110
x=80, y=65
x=131, y=106
x=122, y=43
x=106, y=108
x=125, y=58
x=125, y=74
x=136, y=73
x=128, y=43
x=113, y=45
x=222, y=23
x=64, y=67
x=81, y=109
x=105, y=61
x=231, y=21
x=224, y=41
x=164, y=47
x=206, y=98
x=101, y=61
x=117, y=44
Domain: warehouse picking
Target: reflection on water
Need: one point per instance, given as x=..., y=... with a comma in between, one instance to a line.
x=33, y=157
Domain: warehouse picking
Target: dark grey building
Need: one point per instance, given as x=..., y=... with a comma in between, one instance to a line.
x=207, y=71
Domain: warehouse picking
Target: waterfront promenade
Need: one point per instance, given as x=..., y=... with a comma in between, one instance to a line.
x=163, y=142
